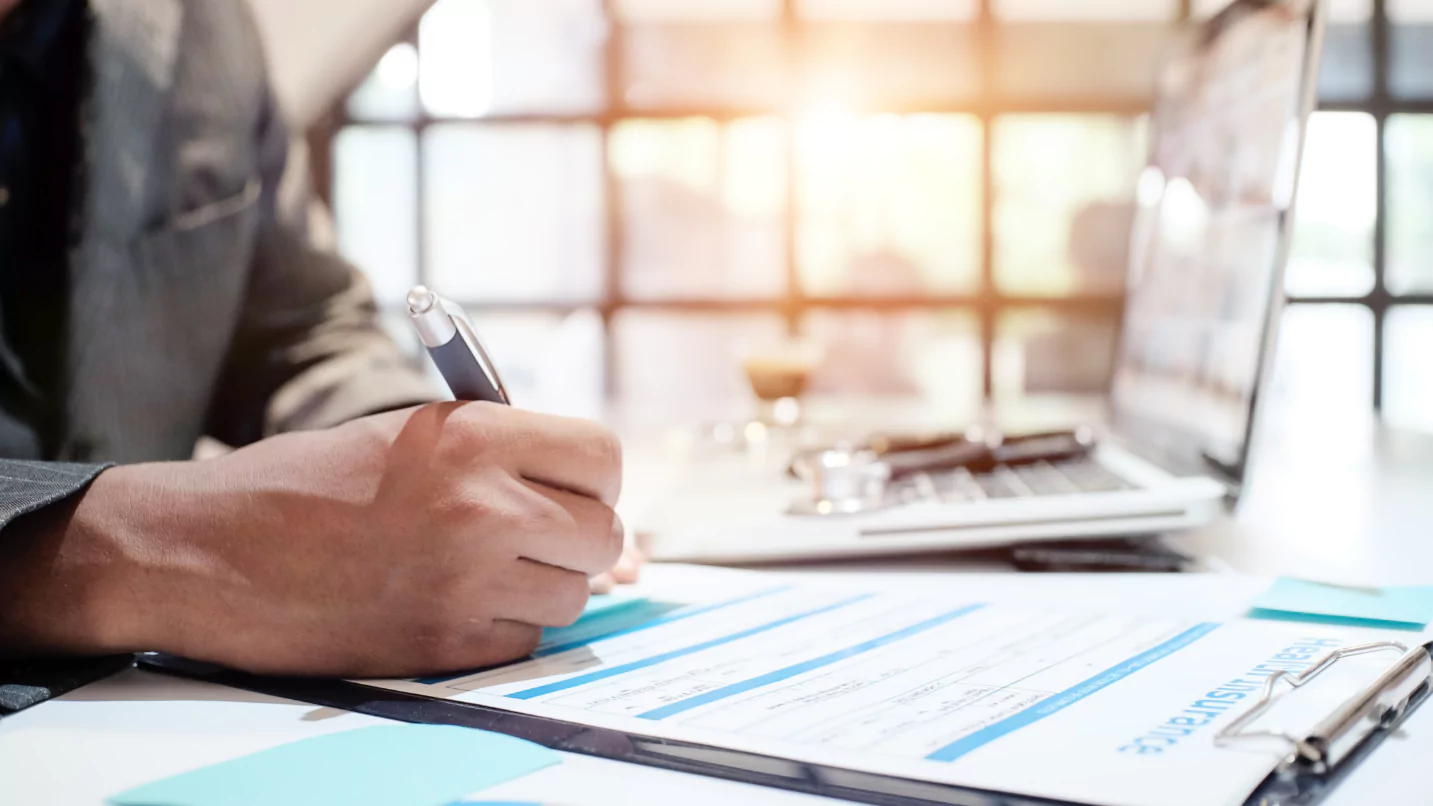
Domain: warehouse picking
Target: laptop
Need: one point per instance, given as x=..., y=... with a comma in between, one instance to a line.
x=1205, y=285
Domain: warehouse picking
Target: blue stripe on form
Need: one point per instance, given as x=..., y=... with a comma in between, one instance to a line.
x=679, y=615
x=806, y=666
x=602, y=674
x=1069, y=697
x=684, y=613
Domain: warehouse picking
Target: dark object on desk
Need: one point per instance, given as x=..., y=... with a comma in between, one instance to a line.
x=977, y=456
x=884, y=444
x=32, y=682
x=1053, y=446
x=973, y=456
x=856, y=479
x=1150, y=555
x=907, y=455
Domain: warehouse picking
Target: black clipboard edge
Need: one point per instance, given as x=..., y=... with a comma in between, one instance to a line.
x=1299, y=789
x=615, y=745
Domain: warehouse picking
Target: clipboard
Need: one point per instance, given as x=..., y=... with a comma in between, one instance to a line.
x=1315, y=764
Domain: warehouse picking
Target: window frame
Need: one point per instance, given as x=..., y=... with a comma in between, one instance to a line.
x=988, y=303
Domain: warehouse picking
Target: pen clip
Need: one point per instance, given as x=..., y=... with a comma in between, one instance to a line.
x=469, y=335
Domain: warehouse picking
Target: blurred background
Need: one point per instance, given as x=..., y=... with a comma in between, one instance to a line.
x=630, y=195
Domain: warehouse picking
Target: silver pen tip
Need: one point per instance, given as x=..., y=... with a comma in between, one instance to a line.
x=421, y=300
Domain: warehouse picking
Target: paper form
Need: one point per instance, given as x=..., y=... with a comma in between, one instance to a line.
x=1117, y=709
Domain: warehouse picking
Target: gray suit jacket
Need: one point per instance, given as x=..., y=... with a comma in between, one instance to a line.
x=199, y=304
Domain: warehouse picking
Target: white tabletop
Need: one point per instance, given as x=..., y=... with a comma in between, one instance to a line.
x=141, y=726
x=1355, y=506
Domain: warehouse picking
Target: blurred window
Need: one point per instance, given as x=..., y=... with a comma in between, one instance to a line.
x=513, y=212
x=932, y=355
x=1324, y=370
x=1332, y=253
x=935, y=192
x=1407, y=372
x=486, y=57
x=1042, y=352
x=888, y=10
x=697, y=10
x=375, y=195
x=688, y=362
x=889, y=63
x=1065, y=186
x=1410, y=45
x=1088, y=10
x=889, y=205
x=390, y=92
x=722, y=54
x=703, y=207
x=1409, y=141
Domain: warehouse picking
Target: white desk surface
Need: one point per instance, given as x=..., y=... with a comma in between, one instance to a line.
x=1356, y=507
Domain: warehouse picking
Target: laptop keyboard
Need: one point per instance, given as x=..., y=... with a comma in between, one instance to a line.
x=1022, y=481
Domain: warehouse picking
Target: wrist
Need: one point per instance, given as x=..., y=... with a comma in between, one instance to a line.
x=102, y=537
x=77, y=575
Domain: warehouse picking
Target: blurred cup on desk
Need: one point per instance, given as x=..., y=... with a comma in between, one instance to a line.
x=779, y=374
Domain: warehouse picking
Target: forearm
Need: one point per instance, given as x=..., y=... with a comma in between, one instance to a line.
x=439, y=538
x=71, y=574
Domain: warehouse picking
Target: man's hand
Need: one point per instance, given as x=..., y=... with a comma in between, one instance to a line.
x=424, y=540
x=627, y=571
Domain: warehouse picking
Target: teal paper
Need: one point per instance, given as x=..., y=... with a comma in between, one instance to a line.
x=1407, y=607
x=383, y=765
x=605, y=604
x=605, y=616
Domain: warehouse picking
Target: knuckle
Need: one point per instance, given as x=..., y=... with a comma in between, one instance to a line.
x=504, y=642
x=570, y=599
x=440, y=645
x=448, y=586
x=470, y=502
x=605, y=452
x=480, y=428
x=531, y=512
x=611, y=540
x=474, y=430
x=481, y=412
x=499, y=504
x=608, y=447
x=527, y=640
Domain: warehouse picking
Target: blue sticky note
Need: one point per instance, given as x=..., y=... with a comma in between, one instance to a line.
x=604, y=615
x=388, y=765
x=606, y=604
x=1405, y=607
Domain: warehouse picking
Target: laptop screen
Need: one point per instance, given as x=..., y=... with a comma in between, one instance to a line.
x=1211, y=231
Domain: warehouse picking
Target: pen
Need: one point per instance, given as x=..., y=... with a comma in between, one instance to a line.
x=453, y=345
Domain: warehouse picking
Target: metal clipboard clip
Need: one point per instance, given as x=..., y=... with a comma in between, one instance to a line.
x=1379, y=706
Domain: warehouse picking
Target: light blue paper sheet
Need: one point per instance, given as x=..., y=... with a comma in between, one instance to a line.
x=606, y=604
x=1406, y=607
x=382, y=765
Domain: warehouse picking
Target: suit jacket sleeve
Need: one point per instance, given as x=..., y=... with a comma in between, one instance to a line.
x=309, y=351
x=27, y=486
